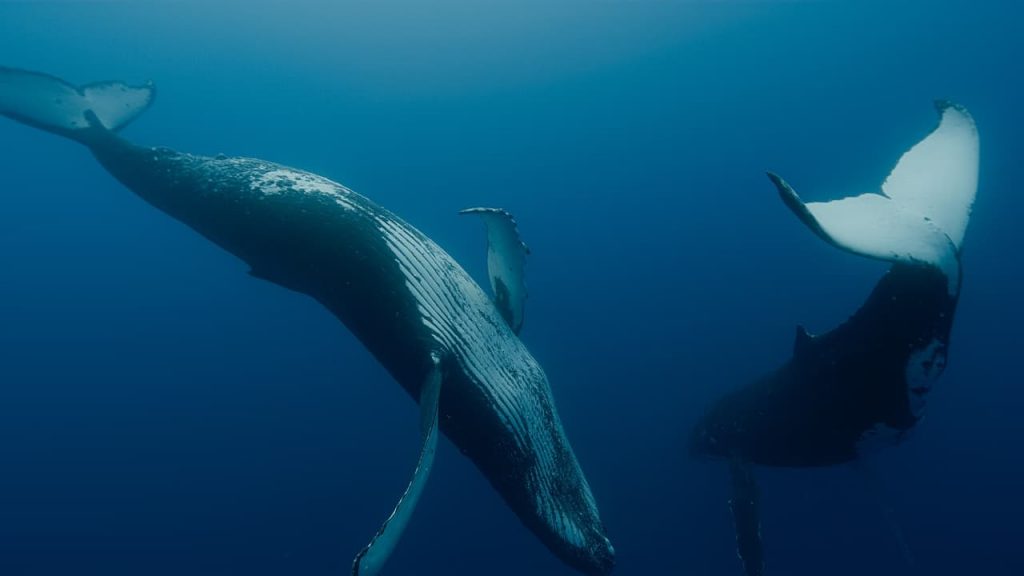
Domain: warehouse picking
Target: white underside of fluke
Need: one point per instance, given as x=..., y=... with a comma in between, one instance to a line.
x=52, y=104
x=922, y=213
x=938, y=177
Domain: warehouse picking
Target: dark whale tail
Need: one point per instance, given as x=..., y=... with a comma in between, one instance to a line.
x=77, y=112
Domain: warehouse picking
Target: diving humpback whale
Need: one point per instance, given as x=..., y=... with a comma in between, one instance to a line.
x=451, y=347
x=864, y=383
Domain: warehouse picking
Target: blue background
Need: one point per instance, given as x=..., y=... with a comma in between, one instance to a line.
x=163, y=413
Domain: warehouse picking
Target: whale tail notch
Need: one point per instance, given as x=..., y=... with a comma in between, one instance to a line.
x=921, y=214
x=49, y=103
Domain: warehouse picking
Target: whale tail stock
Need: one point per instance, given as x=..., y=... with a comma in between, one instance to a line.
x=77, y=112
x=922, y=210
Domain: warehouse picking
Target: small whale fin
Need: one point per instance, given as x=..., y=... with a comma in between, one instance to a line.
x=746, y=517
x=506, y=263
x=802, y=342
x=921, y=214
x=372, y=557
x=51, y=104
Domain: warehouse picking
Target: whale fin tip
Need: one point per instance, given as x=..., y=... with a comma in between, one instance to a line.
x=803, y=341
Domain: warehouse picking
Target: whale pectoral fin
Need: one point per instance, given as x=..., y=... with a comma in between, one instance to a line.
x=746, y=517
x=371, y=558
x=506, y=263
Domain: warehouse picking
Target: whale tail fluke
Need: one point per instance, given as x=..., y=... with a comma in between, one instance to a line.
x=921, y=214
x=49, y=103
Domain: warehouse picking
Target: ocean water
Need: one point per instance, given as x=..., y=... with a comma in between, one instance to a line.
x=161, y=412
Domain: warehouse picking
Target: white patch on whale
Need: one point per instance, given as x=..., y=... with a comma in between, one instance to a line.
x=924, y=366
x=284, y=181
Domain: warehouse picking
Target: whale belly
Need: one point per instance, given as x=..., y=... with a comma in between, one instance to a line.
x=497, y=406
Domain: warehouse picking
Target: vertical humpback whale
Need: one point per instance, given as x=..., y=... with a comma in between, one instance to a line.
x=418, y=312
x=865, y=382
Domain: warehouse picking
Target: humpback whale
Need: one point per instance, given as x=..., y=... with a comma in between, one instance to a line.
x=451, y=347
x=864, y=383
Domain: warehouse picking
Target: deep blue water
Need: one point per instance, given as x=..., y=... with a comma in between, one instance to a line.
x=161, y=412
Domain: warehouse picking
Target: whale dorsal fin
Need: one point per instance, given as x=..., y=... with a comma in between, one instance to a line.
x=922, y=211
x=49, y=103
x=372, y=557
x=506, y=263
x=802, y=342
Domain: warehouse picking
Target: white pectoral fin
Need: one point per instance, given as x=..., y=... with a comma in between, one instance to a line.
x=506, y=263
x=371, y=558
